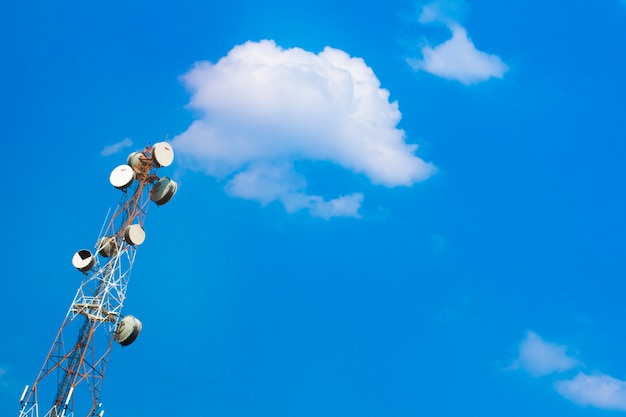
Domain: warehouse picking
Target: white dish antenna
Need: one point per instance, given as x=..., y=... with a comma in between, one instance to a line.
x=83, y=260
x=122, y=177
x=127, y=330
x=134, y=161
x=134, y=234
x=163, y=191
x=162, y=154
x=107, y=246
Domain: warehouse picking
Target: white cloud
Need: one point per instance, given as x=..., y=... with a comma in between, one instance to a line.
x=539, y=358
x=262, y=107
x=600, y=391
x=116, y=147
x=445, y=11
x=457, y=58
x=266, y=182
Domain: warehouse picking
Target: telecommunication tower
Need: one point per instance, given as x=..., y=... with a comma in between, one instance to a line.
x=72, y=373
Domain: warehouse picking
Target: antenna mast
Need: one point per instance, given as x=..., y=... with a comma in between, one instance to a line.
x=75, y=371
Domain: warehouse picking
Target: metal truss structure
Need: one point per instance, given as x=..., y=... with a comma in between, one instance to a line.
x=74, y=371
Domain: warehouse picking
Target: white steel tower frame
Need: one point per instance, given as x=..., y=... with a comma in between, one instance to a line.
x=96, y=312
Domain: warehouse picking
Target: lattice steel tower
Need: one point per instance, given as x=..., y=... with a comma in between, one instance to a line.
x=72, y=373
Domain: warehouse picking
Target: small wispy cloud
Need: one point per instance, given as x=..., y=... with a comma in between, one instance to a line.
x=457, y=58
x=539, y=358
x=599, y=391
x=263, y=109
x=443, y=11
x=267, y=182
x=116, y=147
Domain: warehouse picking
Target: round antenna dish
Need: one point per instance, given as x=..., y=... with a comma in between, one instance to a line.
x=122, y=177
x=107, y=246
x=135, y=162
x=162, y=154
x=134, y=234
x=127, y=330
x=163, y=191
x=83, y=260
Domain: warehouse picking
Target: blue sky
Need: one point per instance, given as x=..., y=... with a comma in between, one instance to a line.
x=395, y=209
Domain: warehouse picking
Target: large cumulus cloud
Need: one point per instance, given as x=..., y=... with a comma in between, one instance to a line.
x=261, y=108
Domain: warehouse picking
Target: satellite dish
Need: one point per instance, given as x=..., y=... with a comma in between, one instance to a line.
x=135, y=162
x=163, y=191
x=134, y=234
x=127, y=330
x=162, y=154
x=122, y=177
x=107, y=246
x=83, y=260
